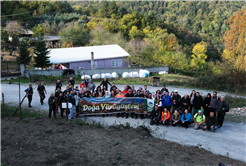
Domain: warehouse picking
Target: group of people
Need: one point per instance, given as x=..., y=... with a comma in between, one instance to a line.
x=169, y=108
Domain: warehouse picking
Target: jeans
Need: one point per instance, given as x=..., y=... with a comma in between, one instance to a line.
x=221, y=116
x=71, y=112
x=42, y=97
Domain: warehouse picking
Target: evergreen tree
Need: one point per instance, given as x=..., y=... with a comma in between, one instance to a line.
x=104, y=10
x=41, y=52
x=24, y=54
x=112, y=8
x=122, y=11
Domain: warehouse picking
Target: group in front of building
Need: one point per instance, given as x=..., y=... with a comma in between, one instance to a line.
x=169, y=109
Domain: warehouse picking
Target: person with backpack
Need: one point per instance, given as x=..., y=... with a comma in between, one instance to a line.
x=165, y=117
x=222, y=108
x=186, y=119
x=199, y=120
x=155, y=116
x=29, y=92
x=167, y=101
x=41, y=89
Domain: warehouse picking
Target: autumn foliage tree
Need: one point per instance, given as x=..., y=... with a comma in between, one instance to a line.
x=199, y=57
x=234, y=55
x=235, y=42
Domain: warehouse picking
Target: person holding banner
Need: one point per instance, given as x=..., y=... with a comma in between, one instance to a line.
x=139, y=94
x=155, y=116
x=165, y=117
x=120, y=95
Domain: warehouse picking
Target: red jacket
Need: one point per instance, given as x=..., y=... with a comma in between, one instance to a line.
x=167, y=117
x=83, y=85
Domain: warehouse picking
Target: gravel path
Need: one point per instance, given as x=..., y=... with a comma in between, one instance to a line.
x=229, y=140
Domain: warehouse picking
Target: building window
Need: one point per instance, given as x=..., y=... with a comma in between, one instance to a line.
x=119, y=62
x=113, y=63
x=95, y=64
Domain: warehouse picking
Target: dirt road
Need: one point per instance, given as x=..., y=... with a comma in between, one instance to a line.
x=229, y=140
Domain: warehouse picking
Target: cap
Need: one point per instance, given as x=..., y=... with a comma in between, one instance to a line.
x=200, y=111
x=176, y=90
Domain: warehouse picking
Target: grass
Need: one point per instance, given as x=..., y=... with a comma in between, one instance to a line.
x=8, y=111
x=235, y=118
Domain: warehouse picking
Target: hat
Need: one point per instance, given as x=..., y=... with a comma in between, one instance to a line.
x=200, y=111
x=176, y=90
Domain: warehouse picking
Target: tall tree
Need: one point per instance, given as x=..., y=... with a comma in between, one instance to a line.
x=104, y=9
x=112, y=8
x=41, y=51
x=199, y=57
x=235, y=42
x=24, y=52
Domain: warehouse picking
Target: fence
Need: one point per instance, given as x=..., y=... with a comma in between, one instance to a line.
x=9, y=68
x=60, y=72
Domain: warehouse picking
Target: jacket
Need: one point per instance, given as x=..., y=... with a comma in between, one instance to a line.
x=121, y=96
x=197, y=102
x=185, y=100
x=167, y=117
x=71, y=99
x=164, y=90
x=173, y=117
x=221, y=105
x=211, y=121
x=52, y=105
x=29, y=91
x=72, y=82
x=166, y=101
x=156, y=114
x=186, y=117
x=140, y=95
x=129, y=95
x=177, y=98
x=105, y=83
x=207, y=101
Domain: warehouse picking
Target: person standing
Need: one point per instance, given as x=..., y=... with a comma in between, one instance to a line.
x=185, y=102
x=214, y=102
x=58, y=84
x=41, y=89
x=60, y=99
x=113, y=86
x=167, y=101
x=29, y=92
x=197, y=103
x=72, y=82
x=86, y=81
x=76, y=98
x=221, y=109
x=206, y=104
x=52, y=105
x=146, y=90
x=105, y=83
x=72, y=101
x=192, y=96
x=164, y=89
x=176, y=101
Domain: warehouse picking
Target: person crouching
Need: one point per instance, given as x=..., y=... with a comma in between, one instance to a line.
x=165, y=117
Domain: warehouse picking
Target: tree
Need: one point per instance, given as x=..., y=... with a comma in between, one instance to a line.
x=104, y=9
x=41, y=51
x=140, y=53
x=75, y=34
x=112, y=8
x=235, y=42
x=24, y=52
x=7, y=7
x=101, y=36
x=199, y=57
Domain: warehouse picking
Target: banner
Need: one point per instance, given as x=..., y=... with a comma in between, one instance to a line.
x=114, y=105
x=149, y=105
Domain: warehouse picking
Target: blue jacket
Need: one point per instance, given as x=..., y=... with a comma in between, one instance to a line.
x=188, y=117
x=167, y=101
